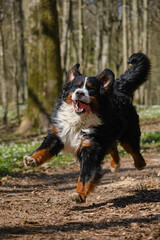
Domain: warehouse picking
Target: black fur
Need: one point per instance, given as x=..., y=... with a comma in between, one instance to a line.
x=110, y=101
x=135, y=76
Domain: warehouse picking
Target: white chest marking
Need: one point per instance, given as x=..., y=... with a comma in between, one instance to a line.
x=70, y=125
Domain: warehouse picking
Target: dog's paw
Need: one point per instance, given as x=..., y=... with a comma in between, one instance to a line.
x=140, y=166
x=29, y=161
x=115, y=168
x=76, y=197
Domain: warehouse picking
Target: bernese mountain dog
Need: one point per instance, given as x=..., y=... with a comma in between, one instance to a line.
x=90, y=116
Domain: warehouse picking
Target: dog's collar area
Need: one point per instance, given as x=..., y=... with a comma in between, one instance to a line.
x=81, y=107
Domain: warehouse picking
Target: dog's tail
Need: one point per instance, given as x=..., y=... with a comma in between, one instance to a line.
x=135, y=76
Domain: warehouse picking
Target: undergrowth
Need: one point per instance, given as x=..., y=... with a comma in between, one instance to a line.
x=148, y=112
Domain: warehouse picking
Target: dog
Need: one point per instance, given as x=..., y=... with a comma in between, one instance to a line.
x=91, y=115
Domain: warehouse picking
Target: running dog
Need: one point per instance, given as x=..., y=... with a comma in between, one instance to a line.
x=90, y=116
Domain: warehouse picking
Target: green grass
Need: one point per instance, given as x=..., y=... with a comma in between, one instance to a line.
x=150, y=137
x=148, y=112
x=62, y=161
x=11, y=155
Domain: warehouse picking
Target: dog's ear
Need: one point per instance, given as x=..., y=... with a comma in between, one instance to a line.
x=71, y=76
x=106, y=78
x=73, y=73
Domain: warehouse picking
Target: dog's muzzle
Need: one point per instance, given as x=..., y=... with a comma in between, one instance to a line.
x=81, y=107
x=81, y=102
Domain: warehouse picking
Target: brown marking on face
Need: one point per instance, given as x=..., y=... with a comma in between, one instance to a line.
x=85, y=189
x=139, y=161
x=41, y=156
x=69, y=98
x=53, y=130
x=79, y=84
x=89, y=84
x=95, y=103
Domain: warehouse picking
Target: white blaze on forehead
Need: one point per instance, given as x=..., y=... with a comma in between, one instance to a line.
x=85, y=82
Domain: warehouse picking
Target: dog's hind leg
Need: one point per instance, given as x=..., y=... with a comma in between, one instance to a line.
x=115, y=159
x=130, y=140
x=90, y=157
x=49, y=147
x=139, y=161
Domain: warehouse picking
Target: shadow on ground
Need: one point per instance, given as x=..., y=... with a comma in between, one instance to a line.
x=73, y=226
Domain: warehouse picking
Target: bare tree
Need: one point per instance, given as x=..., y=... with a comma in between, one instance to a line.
x=146, y=90
x=3, y=68
x=106, y=34
x=130, y=30
x=145, y=26
x=80, y=48
x=124, y=22
x=98, y=40
x=44, y=67
x=135, y=26
x=136, y=39
x=23, y=61
x=16, y=56
x=66, y=34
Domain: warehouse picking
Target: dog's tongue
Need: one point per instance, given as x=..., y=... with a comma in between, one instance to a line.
x=85, y=107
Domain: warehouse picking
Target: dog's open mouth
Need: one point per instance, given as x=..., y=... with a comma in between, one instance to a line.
x=81, y=107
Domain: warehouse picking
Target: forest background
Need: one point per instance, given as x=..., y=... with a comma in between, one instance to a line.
x=40, y=40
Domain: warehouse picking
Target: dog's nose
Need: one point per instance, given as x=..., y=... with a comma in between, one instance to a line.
x=80, y=93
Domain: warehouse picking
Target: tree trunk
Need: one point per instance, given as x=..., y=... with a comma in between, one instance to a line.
x=144, y=90
x=80, y=48
x=105, y=37
x=73, y=47
x=98, y=41
x=4, y=86
x=124, y=22
x=16, y=62
x=136, y=39
x=66, y=34
x=23, y=63
x=130, y=30
x=147, y=95
x=44, y=68
x=135, y=26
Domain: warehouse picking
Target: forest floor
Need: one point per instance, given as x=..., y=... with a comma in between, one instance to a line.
x=126, y=205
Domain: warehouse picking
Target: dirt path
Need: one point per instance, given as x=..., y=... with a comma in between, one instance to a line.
x=124, y=206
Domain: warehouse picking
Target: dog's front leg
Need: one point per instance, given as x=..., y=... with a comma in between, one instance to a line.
x=49, y=147
x=91, y=157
